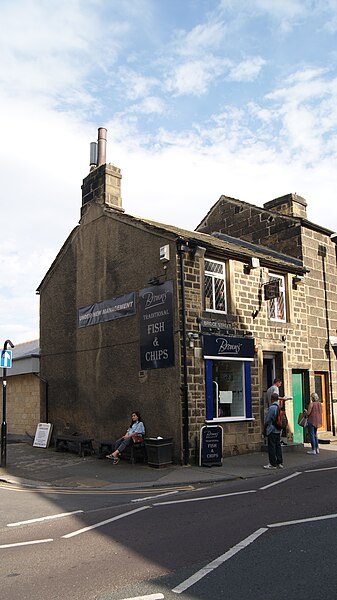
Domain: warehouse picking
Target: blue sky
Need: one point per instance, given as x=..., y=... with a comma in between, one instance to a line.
x=200, y=98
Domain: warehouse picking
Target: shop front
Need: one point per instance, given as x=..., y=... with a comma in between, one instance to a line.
x=228, y=362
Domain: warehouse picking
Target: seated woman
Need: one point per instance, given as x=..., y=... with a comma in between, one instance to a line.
x=136, y=429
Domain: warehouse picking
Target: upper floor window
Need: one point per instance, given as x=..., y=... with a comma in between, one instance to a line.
x=277, y=306
x=215, y=286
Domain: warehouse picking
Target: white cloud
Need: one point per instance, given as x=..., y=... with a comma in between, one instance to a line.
x=247, y=70
x=150, y=105
x=202, y=38
x=195, y=76
x=135, y=85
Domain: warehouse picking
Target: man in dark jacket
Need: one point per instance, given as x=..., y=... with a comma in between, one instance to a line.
x=273, y=435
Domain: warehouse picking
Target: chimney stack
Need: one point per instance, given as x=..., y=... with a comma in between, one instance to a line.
x=291, y=205
x=103, y=184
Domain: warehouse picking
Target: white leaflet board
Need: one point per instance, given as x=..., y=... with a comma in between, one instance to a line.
x=226, y=397
x=43, y=435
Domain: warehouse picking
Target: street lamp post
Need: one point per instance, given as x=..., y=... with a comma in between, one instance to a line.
x=4, y=424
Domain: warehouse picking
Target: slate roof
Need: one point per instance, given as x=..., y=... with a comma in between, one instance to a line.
x=26, y=349
x=232, y=248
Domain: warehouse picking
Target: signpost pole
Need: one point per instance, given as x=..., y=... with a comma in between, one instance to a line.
x=4, y=423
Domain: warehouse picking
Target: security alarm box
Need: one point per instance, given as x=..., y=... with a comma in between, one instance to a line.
x=164, y=253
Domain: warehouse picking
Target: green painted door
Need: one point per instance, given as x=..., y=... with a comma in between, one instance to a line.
x=297, y=381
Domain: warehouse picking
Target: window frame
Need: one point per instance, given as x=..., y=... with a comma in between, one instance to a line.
x=214, y=276
x=247, y=389
x=274, y=302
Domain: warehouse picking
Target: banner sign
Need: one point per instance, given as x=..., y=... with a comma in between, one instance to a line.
x=108, y=310
x=156, y=326
x=210, y=446
x=228, y=347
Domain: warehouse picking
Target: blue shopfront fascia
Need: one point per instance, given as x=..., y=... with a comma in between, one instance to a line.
x=247, y=387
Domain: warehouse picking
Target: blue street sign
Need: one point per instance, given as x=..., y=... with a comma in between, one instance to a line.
x=6, y=359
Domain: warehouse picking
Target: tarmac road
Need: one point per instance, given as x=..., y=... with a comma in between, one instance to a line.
x=156, y=546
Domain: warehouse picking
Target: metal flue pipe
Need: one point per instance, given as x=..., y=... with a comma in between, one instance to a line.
x=102, y=138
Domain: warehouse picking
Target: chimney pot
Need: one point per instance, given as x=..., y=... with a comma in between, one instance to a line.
x=102, y=138
x=93, y=155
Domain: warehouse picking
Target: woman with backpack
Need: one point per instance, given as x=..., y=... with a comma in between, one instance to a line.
x=273, y=431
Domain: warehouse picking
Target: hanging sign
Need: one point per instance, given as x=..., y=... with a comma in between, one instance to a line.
x=156, y=326
x=272, y=289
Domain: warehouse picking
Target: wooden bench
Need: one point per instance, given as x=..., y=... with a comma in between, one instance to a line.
x=68, y=442
x=132, y=452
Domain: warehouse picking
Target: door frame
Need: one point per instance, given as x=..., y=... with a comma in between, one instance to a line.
x=322, y=391
x=300, y=403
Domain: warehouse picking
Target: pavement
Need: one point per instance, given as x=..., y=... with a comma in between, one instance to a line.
x=43, y=467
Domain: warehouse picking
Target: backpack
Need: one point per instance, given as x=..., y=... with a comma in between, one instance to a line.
x=281, y=420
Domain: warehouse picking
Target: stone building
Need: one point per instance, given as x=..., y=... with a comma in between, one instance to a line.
x=184, y=326
x=23, y=399
x=282, y=223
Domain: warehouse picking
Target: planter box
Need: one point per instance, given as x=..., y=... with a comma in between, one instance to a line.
x=159, y=452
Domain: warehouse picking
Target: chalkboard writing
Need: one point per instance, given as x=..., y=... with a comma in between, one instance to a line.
x=211, y=446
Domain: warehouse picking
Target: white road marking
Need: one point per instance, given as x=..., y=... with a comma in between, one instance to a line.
x=151, y=497
x=308, y=520
x=240, y=546
x=265, y=487
x=150, y=597
x=322, y=469
x=203, y=498
x=39, y=519
x=131, y=512
x=26, y=543
x=218, y=561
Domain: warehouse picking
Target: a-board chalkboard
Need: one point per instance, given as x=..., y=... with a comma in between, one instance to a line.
x=211, y=446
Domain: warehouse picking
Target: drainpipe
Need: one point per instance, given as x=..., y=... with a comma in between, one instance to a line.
x=182, y=247
x=322, y=254
x=46, y=404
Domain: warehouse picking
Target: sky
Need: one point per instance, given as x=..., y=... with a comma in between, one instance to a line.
x=200, y=98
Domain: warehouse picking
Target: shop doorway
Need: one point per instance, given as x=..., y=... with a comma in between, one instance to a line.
x=300, y=385
x=272, y=367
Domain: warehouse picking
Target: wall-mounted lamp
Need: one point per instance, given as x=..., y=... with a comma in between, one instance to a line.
x=298, y=279
x=191, y=247
x=156, y=280
x=253, y=263
x=198, y=251
x=192, y=336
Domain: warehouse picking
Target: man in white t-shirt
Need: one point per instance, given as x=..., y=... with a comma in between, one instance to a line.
x=274, y=389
